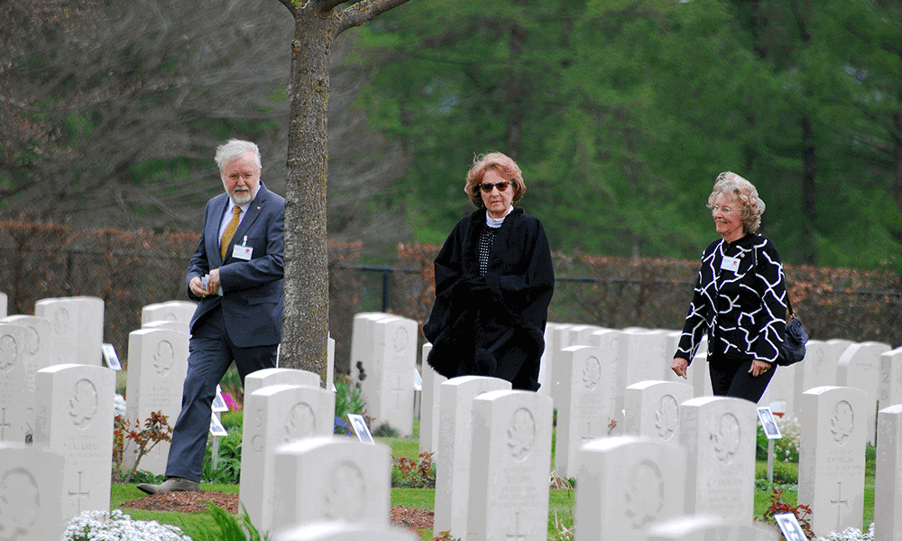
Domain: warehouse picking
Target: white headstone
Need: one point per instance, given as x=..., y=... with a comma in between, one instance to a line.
x=888, y=477
x=626, y=485
x=710, y=528
x=74, y=417
x=36, y=356
x=174, y=311
x=509, y=466
x=833, y=426
x=553, y=339
x=818, y=369
x=452, y=464
x=782, y=388
x=167, y=325
x=672, y=341
x=613, y=345
x=388, y=387
x=585, y=409
x=653, y=409
x=31, y=484
x=647, y=356
x=273, y=416
x=332, y=479
x=720, y=433
x=699, y=376
x=890, y=391
x=76, y=325
x=15, y=398
x=279, y=376
x=859, y=368
x=430, y=406
x=157, y=366
x=337, y=531
x=4, y=303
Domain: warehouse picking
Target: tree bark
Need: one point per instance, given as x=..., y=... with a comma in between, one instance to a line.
x=305, y=320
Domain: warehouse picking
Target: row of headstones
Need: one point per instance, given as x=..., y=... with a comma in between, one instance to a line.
x=493, y=462
x=646, y=354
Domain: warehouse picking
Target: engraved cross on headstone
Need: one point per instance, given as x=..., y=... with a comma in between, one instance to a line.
x=838, y=502
x=4, y=424
x=587, y=433
x=517, y=536
x=78, y=494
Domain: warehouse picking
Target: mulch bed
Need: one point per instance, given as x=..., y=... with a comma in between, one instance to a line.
x=192, y=502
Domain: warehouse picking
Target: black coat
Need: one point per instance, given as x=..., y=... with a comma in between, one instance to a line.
x=492, y=325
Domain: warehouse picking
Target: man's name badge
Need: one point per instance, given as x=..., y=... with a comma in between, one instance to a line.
x=242, y=252
x=730, y=264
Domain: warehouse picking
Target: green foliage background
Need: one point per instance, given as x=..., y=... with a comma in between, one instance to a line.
x=621, y=114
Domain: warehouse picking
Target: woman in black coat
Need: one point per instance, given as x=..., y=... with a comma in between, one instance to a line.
x=493, y=283
x=739, y=299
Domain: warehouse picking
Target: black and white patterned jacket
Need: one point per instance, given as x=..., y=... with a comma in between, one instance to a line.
x=742, y=310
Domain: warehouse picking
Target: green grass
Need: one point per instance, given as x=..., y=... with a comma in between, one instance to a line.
x=560, y=509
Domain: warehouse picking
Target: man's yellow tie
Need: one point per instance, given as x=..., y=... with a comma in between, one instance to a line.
x=229, y=231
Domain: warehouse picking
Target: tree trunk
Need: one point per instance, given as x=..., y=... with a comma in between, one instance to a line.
x=305, y=321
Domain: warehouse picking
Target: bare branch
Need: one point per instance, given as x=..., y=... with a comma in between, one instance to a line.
x=364, y=11
x=325, y=6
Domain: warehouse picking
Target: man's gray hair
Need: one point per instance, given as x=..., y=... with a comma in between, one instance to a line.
x=236, y=148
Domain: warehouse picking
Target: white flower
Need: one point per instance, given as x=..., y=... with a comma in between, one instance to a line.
x=117, y=526
x=119, y=406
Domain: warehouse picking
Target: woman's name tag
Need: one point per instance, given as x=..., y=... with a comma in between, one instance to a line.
x=730, y=264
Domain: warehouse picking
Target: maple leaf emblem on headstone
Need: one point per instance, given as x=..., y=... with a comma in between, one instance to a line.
x=8, y=353
x=83, y=403
x=521, y=434
x=19, y=504
x=346, y=494
x=726, y=438
x=843, y=422
x=592, y=373
x=644, y=496
x=163, y=358
x=667, y=417
x=301, y=423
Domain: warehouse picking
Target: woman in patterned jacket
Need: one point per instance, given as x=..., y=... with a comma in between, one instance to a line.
x=493, y=283
x=739, y=299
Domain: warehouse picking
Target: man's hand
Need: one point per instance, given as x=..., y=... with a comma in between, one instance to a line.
x=213, y=283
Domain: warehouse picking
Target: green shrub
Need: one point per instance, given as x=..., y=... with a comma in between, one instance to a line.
x=228, y=463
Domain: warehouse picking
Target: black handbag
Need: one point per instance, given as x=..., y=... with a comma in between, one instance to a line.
x=794, y=340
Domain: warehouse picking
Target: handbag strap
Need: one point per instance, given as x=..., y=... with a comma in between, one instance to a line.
x=792, y=314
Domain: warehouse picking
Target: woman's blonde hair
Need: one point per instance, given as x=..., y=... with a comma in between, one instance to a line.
x=504, y=165
x=743, y=191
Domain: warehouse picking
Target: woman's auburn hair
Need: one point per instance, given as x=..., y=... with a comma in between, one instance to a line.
x=745, y=193
x=504, y=165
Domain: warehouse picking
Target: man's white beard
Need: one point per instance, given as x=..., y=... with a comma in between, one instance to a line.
x=242, y=198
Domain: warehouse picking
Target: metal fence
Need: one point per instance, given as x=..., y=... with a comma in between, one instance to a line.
x=131, y=270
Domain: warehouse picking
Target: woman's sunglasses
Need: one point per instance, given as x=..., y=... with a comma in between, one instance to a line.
x=487, y=186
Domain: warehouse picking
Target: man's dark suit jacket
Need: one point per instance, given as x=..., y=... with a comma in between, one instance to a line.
x=251, y=290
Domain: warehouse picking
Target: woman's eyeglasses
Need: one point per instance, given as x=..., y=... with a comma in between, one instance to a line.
x=487, y=186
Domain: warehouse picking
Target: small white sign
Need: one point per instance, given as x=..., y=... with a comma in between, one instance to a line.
x=110, y=357
x=219, y=403
x=417, y=380
x=358, y=423
x=789, y=525
x=768, y=423
x=216, y=427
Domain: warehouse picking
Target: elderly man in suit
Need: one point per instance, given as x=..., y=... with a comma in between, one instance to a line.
x=236, y=274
